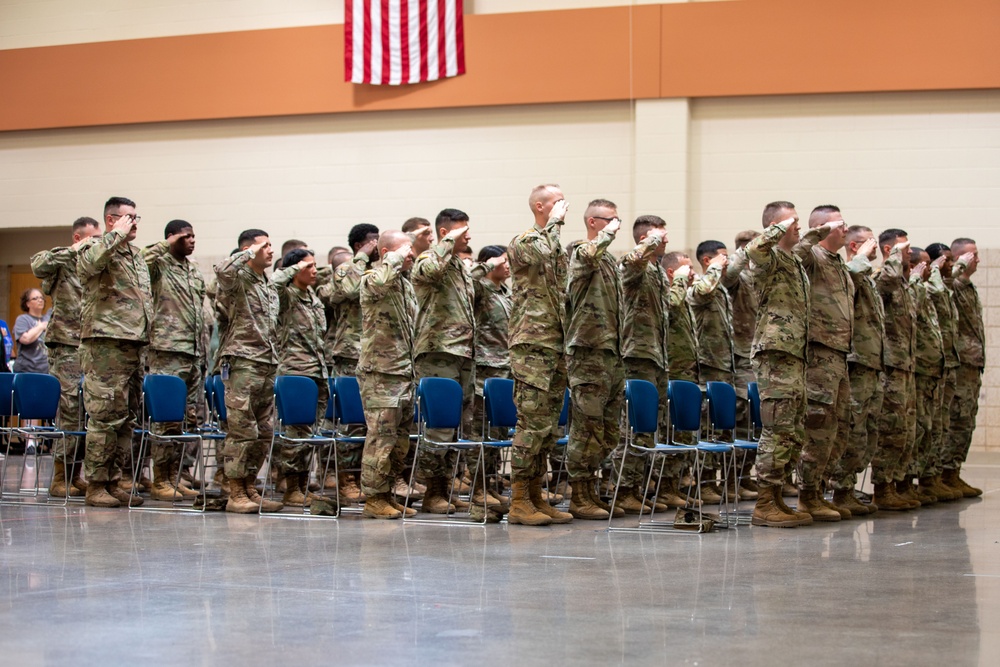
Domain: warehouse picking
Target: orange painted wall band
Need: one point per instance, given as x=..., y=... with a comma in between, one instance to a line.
x=749, y=47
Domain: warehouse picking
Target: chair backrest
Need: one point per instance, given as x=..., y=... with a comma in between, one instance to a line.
x=36, y=396
x=347, y=395
x=296, y=398
x=331, y=392
x=210, y=394
x=721, y=405
x=753, y=393
x=219, y=390
x=498, y=403
x=643, y=402
x=440, y=402
x=685, y=405
x=564, y=415
x=6, y=394
x=165, y=398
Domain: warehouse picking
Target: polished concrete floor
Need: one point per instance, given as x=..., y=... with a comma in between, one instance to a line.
x=115, y=587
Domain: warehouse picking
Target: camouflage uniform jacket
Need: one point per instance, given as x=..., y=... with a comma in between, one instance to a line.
x=445, y=293
x=538, y=268
x=929, y=351
x=56, y=269
x=831, y=312
x=682, y=346
x=178, y=300
x=117, y=300
x=342, y=293
x=947, y=315
x=971, y=336
x=738, y=281
x=252, y=306
x=388, y=319
x=646, y=304
x=713, y=320
x=301, y=325
x=594, y=297
x=783, y=289
x=492, y=309
x=867, y=341
x=900, y=313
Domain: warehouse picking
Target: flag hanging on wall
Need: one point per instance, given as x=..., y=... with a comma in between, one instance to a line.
x=402, y=41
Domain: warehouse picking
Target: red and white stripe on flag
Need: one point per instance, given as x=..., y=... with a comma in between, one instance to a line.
x=402, y=41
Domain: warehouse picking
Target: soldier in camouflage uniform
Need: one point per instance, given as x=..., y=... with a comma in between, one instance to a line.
x=56, y=269
x=115, y=319
x=864, y=365
x=248, y=365
x=593, y=357
x=682, y=353
x=779, y=354
x=444, y=344
x=301, y=326
x=713, y=323
x=737, y=280
x=645, y=323
x=971, y=342
x=537, y=324
x=175, y=346
x=928, y=375
x=385, y=373
x=897, y=426
x=828, y=389
x=947, y=312
x=341, y=296
x=492, y=310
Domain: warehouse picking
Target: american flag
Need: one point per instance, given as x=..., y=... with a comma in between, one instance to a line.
x=402, y=41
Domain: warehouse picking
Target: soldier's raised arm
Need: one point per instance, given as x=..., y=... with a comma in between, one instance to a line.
x=229, y=272
x=382, y=278
x=737, y=263
x=759, y=250
x=701, y=292
x=892, y=276
x=531, y=249
x=95, y=257
x=679, y=286
x=432, y=263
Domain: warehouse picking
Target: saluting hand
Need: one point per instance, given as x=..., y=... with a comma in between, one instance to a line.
x=613, y=226
x=456, y=233
x=868, y=248
x=124, y=224
x=369, y=247
x=559, y=210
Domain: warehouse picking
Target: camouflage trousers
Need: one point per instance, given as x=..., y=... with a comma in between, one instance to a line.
x=897, y=427
x=64, y=365
x=250, y=408
x=478, y=410
x=949, y=385
x=634, y=473
x=781, y=379
x=597, y=386
x=348, y=453
x=295, y=459
x=539, y=388
x=964, y=408
x=388, y=401
x=862, y=442
x=112, y=386
x=188, y=368
x=463, y=371
x=828, y=415
x=927, y=434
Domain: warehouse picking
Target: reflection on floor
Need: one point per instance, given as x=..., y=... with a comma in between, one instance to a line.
x=112, y=586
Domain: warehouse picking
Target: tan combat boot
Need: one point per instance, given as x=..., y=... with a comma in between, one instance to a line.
x=631, y=503
x=399, y=507
x=670, y=496
x=522, y=510
x=238, y=501
x=887, y=499
x=492, y=502
x=584, y=505
x=593, y=492
x=735, y=492
x=347, y=487
x=378, y=507
x=905, y=490
x=181, y=486
x=943, y=491
x=811, y=502
x=58, y=487
x=162, y=489
x=769, y=513
x=956, y=482
x=783, y=506
x=98, y=496
x=399, y=489
x=842, y=511
x=542, y=505
x=844, y=498
x=78, y=481
x=293, y=495
x=436, y=499
x=123, y=496
x=258, y=500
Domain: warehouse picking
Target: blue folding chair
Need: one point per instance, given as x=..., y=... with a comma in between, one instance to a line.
x=440, y=407
x=642, y=408
x=499, y=413
x=685, y=416
x=722, y=417
x=296, y=401
x=756, y=425
x=164, y=401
